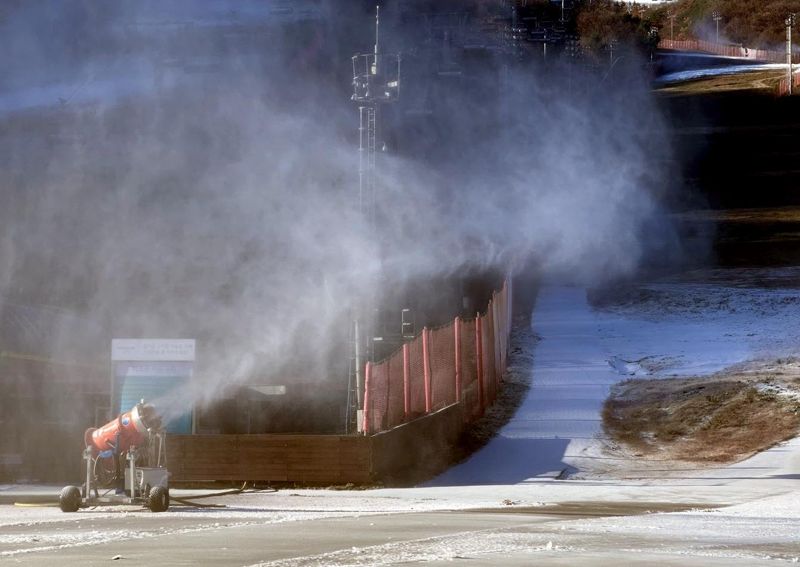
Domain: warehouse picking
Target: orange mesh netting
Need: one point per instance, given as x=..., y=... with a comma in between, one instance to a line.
x=385, y=398
x=443, y=367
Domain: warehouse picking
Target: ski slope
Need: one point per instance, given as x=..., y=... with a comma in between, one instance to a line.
x=583, y=352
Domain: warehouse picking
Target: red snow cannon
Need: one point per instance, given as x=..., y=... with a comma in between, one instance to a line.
x=127, y=430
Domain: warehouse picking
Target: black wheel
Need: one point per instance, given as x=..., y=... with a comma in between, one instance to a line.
x=158, y=500
x=70, y=499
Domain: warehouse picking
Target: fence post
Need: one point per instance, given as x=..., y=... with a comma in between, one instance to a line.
x=509, y=305
x=507, y=316
x=426, y=367
x=506, y=327
x=367, y=375
x=457, y=336
x=406, y=380
x=498, y=347
x=479, y=360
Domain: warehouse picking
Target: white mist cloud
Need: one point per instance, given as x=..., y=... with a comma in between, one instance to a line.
x=224, y=207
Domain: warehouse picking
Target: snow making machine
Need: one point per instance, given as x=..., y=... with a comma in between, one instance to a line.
x=126, y=459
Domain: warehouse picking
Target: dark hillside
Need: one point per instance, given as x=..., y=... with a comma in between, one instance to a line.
x=753, y=23
x=737, y=149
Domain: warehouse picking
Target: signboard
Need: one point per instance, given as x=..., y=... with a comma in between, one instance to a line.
x=153, y=350
x=158, y=371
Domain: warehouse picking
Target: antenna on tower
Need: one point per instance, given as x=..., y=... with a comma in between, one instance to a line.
x=377, y=28
x=376, y=81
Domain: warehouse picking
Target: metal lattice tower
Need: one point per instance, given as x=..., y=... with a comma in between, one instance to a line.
x=376, y=81
x=367, y=153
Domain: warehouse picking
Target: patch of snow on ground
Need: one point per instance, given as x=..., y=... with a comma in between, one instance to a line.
x=466, y=545
x=669, y=329
x=697, y=329
x=693, y=74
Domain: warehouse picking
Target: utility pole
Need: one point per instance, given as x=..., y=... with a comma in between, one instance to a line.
x=671, y=16
x=717, y=17
x=789, y=25
x=572, y=50
x=653, y=34
x=611, y=45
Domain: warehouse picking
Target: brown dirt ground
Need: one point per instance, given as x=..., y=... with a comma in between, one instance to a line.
x=719, y=419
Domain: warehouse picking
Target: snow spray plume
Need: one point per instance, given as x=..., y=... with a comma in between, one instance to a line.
x=211, y=190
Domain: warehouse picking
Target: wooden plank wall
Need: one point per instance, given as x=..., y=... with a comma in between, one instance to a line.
x=304, y=459
x=420, y=449
x=409, y=453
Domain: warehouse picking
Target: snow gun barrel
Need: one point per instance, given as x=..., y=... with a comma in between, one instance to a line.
x=127, y=430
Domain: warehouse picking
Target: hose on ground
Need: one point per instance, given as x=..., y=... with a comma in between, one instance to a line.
x=186, y=502
x=232, y=492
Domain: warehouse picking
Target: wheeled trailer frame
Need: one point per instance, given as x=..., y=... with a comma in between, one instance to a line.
x=147, y=485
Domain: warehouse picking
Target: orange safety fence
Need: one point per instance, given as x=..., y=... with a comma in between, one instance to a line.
x=395, y=391
x=470, y=387
x=487, y=358
x=443, y=369
x=771, y=56
x=783, y=86
x=726, y=50
x=416, y=382
x=462, y=362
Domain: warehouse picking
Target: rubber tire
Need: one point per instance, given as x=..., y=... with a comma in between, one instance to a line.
x=158, y=501
x=70, y=499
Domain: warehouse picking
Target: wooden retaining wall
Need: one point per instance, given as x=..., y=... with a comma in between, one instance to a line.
x=419, y=449
x=303, y=459
x=411, y=452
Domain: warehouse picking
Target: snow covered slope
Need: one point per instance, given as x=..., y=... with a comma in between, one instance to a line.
x=691, y=329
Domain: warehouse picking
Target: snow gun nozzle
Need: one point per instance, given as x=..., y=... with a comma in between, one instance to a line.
x=149, y=416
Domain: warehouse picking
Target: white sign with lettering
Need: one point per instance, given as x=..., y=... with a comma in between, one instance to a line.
x=152, y=350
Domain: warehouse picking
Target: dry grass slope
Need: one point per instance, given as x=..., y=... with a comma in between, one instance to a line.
x=702, y=420
x=764, y=81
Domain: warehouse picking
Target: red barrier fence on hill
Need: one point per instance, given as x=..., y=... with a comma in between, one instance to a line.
x=783, y=86
x=460, y=362
x=726, y=50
